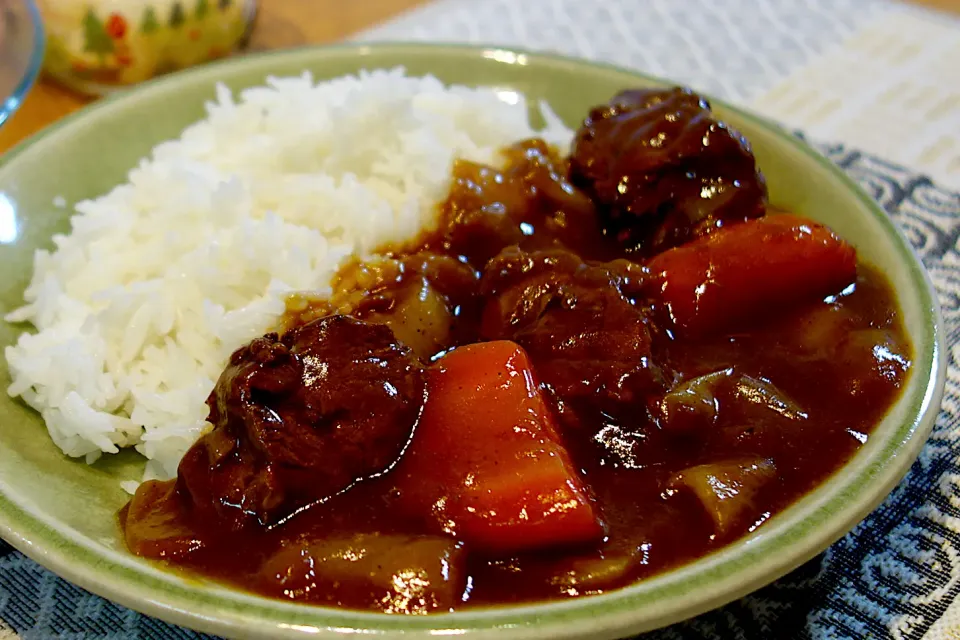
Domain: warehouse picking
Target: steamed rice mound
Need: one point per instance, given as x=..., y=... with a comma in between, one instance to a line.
x=137, y=309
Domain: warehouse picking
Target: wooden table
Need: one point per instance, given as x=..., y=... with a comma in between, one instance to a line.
x=280, y=23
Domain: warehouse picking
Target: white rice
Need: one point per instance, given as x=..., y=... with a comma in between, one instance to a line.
x=138, y=308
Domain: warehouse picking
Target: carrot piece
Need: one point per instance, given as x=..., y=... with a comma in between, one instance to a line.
x=486, y=460
x=751, y=269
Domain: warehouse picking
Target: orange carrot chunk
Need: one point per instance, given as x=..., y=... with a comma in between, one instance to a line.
x=486, y=461
x=750, y=270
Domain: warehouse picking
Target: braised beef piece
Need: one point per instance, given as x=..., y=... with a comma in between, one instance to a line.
x=528, y=202
x=663, y=170
x=299, y=418
x=591, y=345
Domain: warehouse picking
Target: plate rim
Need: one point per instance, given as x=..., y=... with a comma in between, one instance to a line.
x=128, y=582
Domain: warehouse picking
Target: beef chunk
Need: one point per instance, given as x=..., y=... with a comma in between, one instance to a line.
x=299, y=418
x=591, y=345
x=663, y=170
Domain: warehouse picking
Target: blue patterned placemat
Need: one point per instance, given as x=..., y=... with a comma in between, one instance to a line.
x=894, y=576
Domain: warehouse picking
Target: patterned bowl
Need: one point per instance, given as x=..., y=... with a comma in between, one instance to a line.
x=62, y=512
x=98, y=46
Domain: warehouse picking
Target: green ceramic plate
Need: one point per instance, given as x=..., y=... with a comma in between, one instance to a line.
x=61, y=512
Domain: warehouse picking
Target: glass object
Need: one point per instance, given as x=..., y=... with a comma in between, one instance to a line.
x=21, y=52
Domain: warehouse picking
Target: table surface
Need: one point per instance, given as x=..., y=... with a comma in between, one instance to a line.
x=280, y=23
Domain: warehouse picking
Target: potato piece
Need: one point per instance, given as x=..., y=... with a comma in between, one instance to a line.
x=596, y=572
x=876, y=352
x=726, y=489
x=411, y=575
x=154, y=523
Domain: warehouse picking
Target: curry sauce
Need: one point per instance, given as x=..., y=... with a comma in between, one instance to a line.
x=594, y=369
